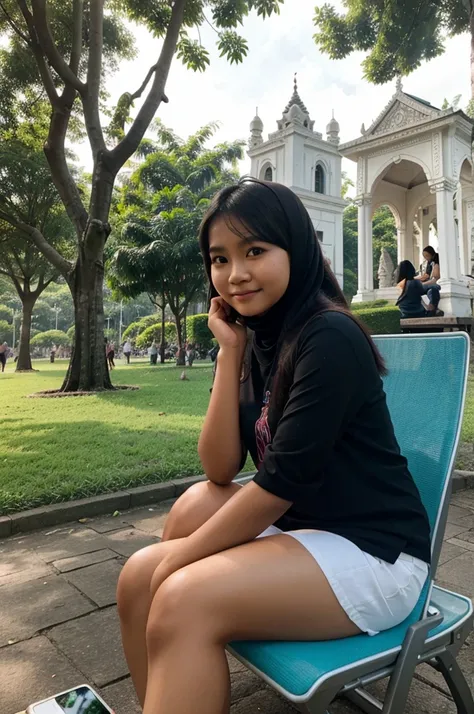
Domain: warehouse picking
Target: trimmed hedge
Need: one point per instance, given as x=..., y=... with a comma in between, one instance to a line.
x=50, y=338
x=382, y=320
x=136, y=328
x=198, y=332
x=357, y=306
x=153, y=334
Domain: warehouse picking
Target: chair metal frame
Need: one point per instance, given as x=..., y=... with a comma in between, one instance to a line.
x=438, y=650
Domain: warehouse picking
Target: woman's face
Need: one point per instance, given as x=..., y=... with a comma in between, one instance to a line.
x=427, y=256
x=249, y=274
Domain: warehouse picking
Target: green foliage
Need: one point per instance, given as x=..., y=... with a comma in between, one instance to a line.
x=160, y=211
x=198, y=332
x=370, y=305
x=137, y=327
x=71, y=333
x=384, y=235
x=398, y=35
x=153, y=334
x=381, y=321
x=50, y=338
x=6, y=314
x=6, y=332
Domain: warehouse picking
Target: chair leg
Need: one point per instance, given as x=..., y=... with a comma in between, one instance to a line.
x=456, y=682
x=364, y=700
x=319, y=703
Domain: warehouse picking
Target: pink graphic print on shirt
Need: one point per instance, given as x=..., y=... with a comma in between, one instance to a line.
x=262, y=430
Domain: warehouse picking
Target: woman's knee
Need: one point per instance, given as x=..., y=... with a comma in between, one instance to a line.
x=195, y=507
x=134, y=581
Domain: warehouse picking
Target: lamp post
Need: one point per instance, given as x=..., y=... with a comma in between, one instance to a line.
x=15, y=313
x=120, y=322
x=57, y=310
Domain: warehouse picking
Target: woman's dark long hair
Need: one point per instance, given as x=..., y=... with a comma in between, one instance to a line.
x=274, y=214
x=406, y=272
x=431, y=251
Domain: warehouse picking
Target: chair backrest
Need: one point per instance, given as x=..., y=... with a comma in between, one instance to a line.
x=426, y=387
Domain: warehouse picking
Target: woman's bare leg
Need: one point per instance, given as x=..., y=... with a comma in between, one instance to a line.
x=189, y=512
x=271, y=588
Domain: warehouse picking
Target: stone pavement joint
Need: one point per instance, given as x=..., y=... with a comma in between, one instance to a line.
x=59, y=625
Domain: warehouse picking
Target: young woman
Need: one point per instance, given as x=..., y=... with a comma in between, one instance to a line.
x=412, y=290
x=330, y=539
x=432, y=265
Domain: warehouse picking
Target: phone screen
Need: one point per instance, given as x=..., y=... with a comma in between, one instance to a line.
x=81, y=700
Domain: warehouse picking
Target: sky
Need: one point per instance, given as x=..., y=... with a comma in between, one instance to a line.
x=279, y=47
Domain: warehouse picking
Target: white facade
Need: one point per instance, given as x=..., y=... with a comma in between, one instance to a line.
x=298, y=157
x=416, y=160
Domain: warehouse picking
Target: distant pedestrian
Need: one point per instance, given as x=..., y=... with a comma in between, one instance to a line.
x=153, y=353
x=127, y=350
x=190, y=354
x=52, y=354
x=110, y=352
x=3, y=355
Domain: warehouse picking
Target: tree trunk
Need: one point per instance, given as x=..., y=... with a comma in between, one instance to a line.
x=88, y=366
x=24, y=357
x=163, y=336
x=181, y=356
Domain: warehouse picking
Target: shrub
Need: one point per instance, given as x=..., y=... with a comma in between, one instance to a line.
x=357, y=306
x=381, y=321
x=6, y=332
x=136, y=328
x=153, y=334
x=50, y=338
x=6, y=314
x=198, y=331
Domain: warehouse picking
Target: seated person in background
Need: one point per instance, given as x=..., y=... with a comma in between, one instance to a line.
x=410, y=301
x=432, y=266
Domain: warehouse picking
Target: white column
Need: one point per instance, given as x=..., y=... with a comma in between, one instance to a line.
x=470, y=234
x=455, y=296
x=364, y=249
x=447, y=239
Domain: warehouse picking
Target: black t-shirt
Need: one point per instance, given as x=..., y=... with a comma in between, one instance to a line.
x=410, y=302
x=334, y=453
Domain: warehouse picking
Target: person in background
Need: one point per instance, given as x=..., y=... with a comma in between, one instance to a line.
x=153, y=353
x=110, y=352
x=412, y=290
x=3, y=355
x=52, y=354
x=127, y=350
x=431, y=272
x=190, y=354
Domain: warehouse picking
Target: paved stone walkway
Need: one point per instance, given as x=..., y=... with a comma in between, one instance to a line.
x=59, y=625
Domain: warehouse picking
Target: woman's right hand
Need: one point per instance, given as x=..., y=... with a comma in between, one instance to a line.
x=230, y=335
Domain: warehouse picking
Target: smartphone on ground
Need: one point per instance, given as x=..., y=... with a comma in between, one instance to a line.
x=80, y=700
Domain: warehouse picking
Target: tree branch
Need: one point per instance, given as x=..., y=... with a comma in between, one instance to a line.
x=129, y=144
x=90, y=98
x=143, y=85
x=14, y=26
x=76, y=49
x=49, y=48
x=43, y=68
x=50, y=253
x=55, y=154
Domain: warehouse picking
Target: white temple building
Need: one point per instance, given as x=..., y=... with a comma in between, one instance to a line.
x=299, y=157
x=417, y=160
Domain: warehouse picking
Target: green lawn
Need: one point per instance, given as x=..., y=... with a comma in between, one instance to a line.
x=57, y=449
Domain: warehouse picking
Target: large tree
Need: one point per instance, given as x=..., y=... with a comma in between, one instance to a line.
x=398, y=35
x=27, y=197
x=64, y=49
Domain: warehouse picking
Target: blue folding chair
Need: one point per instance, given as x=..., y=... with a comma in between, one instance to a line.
x=311, y=674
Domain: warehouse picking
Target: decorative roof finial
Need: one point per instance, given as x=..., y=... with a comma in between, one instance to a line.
x=399, y=84
x=295, y=82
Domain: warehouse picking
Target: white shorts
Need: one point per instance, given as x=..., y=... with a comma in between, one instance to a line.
x=376, y=595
